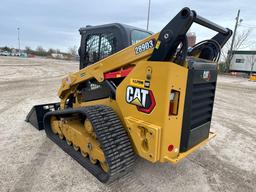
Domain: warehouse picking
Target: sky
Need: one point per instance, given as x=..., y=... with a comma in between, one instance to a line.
x=55, y=23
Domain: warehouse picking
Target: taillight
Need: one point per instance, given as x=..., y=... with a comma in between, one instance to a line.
x=170, y=147
x=174, y=102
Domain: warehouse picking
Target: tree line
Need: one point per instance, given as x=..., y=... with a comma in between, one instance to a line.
x=40, y=51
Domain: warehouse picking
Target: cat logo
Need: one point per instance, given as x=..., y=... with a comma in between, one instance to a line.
x=206, y=75
x=142, y=98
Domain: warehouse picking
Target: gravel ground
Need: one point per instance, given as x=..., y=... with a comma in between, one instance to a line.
x=31, y=162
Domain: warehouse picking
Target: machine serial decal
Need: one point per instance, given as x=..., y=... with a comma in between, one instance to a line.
x=142, y=98
x=144, y=47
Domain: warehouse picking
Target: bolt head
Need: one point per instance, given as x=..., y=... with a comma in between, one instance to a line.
x=89, y=145
x=166, y=35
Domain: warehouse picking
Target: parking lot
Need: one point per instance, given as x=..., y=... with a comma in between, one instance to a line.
x=29, y=161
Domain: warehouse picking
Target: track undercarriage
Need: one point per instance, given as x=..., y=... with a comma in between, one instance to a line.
x=95, y=137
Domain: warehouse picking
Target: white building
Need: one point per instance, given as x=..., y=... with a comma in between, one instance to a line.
x=57, y=55
x=243, y=61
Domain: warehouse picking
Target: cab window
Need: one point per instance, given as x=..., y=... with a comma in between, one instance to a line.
x=99, y=46
x=137, y=35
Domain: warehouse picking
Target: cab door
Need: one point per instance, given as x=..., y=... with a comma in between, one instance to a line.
x=98, y=44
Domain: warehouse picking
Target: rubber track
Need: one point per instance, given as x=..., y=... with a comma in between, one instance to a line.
x=110, y=133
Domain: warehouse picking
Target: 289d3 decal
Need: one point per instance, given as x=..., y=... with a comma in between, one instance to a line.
x=142, y=98
x=144, y=47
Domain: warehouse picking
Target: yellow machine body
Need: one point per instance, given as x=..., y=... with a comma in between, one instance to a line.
x=252, y=77
x=151, y=134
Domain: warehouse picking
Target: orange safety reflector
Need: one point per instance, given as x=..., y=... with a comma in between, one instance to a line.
x=174, y=102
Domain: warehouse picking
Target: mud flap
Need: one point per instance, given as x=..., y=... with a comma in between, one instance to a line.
x=36, y=114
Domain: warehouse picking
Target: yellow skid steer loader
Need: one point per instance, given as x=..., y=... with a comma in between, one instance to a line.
x=136, y=93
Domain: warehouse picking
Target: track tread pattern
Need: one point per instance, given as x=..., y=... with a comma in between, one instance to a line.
x=113, y=139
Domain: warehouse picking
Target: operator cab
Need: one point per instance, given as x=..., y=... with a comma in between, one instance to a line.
x=98, y=42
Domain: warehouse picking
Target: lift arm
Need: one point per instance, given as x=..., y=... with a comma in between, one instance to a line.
x=174, y=33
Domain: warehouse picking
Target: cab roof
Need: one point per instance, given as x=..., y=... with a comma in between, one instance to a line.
x=115, y=25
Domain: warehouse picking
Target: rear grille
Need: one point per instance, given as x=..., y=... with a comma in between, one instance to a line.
x=202, y=103
x=198, y=104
